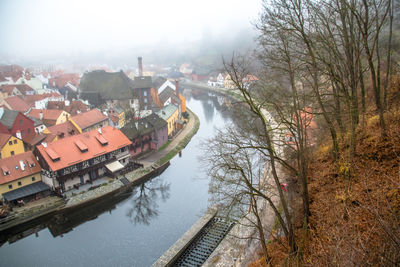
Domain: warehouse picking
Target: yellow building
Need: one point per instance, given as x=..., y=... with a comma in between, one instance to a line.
x=10, y=146
x=170, y=114
x=20, y=171
x=50, y=117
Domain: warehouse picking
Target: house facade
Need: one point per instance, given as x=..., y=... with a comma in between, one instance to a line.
x=170, y=114
x=90, y=120
x=10, y=146
x=79, y=159
x=20, y=178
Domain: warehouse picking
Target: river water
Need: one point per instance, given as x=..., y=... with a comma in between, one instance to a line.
x=136, y=228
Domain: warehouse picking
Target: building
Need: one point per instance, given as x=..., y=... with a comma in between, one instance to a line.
x=50, y=117
x=147, y=133
x=117, y=116
x=99, y=86
x=87, y=121
x=79, y=159
x=72, y=107
x=170, y=114
x=15, y=123
x=20, y=178
x=10, y=146
x=59, y=131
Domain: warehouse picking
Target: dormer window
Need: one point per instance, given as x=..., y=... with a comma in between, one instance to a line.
x=82, y=147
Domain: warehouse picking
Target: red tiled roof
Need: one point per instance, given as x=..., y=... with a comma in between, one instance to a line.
x=66, y=129
x=34, y=140
x=4, y=139
x=70, y=154
x=9, y=164
x=62, y=79
x=74, y=108
x=23, y=88
x=31, y=99
x=7, y=88
x=89, y=118
x=48, y=114
x=16, y=103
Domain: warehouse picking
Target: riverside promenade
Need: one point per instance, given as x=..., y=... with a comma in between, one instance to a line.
x=153, y=164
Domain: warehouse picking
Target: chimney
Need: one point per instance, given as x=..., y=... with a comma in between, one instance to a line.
x=177, y=87
x=140, y=66
x=41, y=115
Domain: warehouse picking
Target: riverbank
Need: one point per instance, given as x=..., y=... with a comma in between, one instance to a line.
x=241, y=245
x=154, y=163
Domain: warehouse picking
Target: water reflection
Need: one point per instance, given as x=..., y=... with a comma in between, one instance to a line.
x=144, y=203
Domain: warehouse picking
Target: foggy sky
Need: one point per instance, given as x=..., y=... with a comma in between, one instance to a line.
x=39, y=29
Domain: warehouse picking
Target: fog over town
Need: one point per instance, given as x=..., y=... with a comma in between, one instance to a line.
x=117, y=32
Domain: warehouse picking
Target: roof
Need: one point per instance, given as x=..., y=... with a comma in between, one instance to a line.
x=158, y=82
x=31, y=99
x=142, y=82
x=16, y=103
x=8, y=118
x=87, y=119
x=69, y=153
x=48, y=114
x=167, y=93
x=110, y=85
x=63, y=129
x=143, y=126
x=166, y=112
x=73, y=108
x=34, y=140
x=12, y=166
x=24, y=88
x=25, y=191
x=4, y=139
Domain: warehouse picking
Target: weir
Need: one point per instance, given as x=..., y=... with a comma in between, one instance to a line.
x=197, y=244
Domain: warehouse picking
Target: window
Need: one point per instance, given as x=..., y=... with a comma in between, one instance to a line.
x=10, y=186
x=145, y=100
x=15, y=141
x=20, y=122
x=10, y=143
x=12, y=153
x=145, y=93
x=19, y=183
x=29, y=130
x=33, y=179
x=23, y=132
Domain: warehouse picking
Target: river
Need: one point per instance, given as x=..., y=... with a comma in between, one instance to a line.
x=136, y=228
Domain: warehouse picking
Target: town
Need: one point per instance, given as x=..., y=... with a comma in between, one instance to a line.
x=60, y=131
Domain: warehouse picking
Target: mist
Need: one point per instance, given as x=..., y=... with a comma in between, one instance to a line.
x=116, y=32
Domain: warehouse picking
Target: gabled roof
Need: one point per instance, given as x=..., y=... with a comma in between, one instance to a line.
x=48, y=114
x=63, y=129
x=110, y=85
x=24, y=88
x=143, y=126
x=142, y=82
x=167, y=93
x=34, y=140
x=87, y=119
x=8, y=88
x=12, y=166
x=4, y=139
x=74, y=107
x=166, y=112
x=31, y=99
x=8, y=118
x=78, y=148
x=16, y=103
